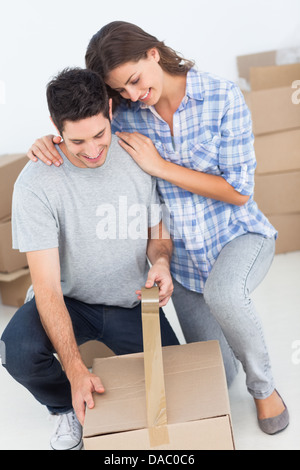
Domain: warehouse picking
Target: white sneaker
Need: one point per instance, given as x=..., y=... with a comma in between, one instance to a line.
x=68, y=433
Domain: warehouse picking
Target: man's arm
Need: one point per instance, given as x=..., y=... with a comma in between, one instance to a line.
x=159, y=252
x=45, y=273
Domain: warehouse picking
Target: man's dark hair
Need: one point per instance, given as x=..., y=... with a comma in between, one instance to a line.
x=76, y=94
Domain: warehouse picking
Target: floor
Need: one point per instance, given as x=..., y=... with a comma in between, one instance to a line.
x=26, y=425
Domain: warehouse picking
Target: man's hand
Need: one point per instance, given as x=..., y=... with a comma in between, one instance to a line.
x=83, y=385
x=159, y=252
x=159, y=274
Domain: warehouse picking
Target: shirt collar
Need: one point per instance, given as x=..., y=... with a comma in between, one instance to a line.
x=194, y=85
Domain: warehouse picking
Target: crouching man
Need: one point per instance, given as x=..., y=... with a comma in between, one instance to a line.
x=87, y=258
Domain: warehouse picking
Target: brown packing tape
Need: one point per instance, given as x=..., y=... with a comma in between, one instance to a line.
x=154, y=372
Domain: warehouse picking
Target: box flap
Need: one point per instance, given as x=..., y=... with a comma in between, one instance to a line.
x=92, y=349
x=195, y=388
x=261, y=59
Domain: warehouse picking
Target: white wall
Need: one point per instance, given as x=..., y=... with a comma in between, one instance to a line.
x=38, y=38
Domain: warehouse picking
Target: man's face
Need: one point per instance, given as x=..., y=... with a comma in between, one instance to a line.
x=86, y=142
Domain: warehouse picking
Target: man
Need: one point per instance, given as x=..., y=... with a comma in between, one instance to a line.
x=84, y=227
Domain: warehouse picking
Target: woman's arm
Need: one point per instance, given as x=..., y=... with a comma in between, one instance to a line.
x=204, y=184
x=143, y=151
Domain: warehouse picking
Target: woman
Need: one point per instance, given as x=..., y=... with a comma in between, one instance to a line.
x=193, y=132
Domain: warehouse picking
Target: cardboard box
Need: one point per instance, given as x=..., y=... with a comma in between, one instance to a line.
x=10, y=260
x=272, y=110
x=92, y=349
x=247, y=63
x=278, y=193
x=276, y=76
x=10, y=168
x=268, y=91
x=14, y=286
x=278, y=152
x=196, y=394
x=267, y=79
x=288, y=226
x=165, y=398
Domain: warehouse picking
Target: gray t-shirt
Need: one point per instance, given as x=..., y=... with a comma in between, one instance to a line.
x=99, y=220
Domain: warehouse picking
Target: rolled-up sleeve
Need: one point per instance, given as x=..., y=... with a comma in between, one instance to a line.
x=237, y=160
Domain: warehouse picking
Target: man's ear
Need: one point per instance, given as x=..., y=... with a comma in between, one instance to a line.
x=110, y=108
x=55, y=126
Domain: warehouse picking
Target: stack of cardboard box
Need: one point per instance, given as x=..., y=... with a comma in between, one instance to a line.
x=272, y=91
x=14, y=273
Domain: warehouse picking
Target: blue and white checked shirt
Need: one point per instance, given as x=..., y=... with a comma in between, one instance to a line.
x=213, y=134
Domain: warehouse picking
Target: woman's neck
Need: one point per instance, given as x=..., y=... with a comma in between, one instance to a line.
x=173, y=93
x=174, y=89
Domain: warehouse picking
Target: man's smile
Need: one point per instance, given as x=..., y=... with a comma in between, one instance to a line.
x=93, y=159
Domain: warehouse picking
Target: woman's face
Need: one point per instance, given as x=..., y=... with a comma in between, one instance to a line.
x=139, y=81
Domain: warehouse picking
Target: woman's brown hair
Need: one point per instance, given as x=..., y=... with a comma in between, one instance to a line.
x=120, y=42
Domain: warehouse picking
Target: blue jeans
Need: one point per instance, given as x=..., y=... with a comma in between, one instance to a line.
x=30, y=355
x=226, y=312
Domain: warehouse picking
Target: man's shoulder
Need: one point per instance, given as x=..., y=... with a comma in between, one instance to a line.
x=36, y=174
x=123, y=160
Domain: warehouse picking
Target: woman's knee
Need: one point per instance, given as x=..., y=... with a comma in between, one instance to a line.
x=224, y=295
x=216, y=290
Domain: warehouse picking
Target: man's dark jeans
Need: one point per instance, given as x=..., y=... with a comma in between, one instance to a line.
x=30, y=355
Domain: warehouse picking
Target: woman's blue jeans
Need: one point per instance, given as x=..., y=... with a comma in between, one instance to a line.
x=225, y=310
x=30, y=355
